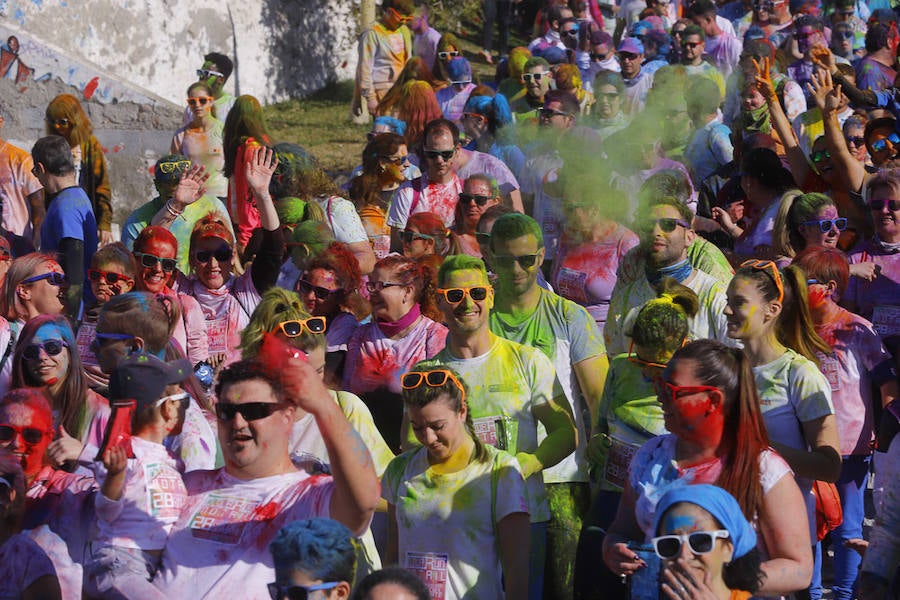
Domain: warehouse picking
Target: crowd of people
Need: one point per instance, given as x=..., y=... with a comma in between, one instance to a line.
x=621, y=322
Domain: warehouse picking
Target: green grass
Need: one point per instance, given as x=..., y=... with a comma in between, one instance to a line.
x=321, y=122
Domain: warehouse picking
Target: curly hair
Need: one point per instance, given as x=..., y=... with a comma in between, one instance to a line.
x=420, y=276
x=338, y=259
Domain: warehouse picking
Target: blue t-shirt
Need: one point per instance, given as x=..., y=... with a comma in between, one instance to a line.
x=70, y=216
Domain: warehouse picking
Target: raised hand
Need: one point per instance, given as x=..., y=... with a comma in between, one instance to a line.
x=191, y=186
x=826, y=95
x=764, y=78
x=823, y=58
x=259, y=170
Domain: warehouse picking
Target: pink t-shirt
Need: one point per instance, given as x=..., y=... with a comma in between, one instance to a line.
x=420, y=195
x=586, y=273
x=856, y=350
x=877, y=300
x=219, y=546
x=150, y=503
x=16, y=184
x=375, y=361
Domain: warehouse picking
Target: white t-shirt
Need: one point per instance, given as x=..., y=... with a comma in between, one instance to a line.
x=219, y=547
x=22, y=562
x=342, y=218
x=793, y=391
x=446, y=536
x=421, y=195
x=505, y=385
x=709, y=322
x=151, y=500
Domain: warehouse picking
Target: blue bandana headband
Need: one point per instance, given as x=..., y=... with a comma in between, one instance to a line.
x=717, y=502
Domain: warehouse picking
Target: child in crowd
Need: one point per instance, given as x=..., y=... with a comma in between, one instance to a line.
x=140, y=497
x=112, y=273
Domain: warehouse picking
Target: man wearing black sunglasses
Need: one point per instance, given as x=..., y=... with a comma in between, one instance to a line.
x=69, y=229
x=567, y=334
x=437, y=190
x=219, y=544
x=664, y=227
x=512, y=388
x=177, y=208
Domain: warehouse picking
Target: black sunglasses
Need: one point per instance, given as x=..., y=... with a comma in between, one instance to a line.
x=298, y=592
x=479, y=200
x=51, y=347
x=506, y=261
x=250, y=411
x=222, y=255
x=433, y=154
x=407, y=236
x=665, y=225
x=150, y=261
x=879, y=204
x=305, y=287
x=31, y=435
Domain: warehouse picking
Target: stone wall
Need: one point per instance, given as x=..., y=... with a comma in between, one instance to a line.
x=131, y=62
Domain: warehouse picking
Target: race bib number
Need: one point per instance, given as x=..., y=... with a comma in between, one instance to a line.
x=381, y=245
x=618, y=461
x=431, y=568
x=571, y=284
x=217, y=334
x=83, y=340
x=493, y=431
x=831, y=369
x=886, y=320
x=222, y=519
x=165, y=491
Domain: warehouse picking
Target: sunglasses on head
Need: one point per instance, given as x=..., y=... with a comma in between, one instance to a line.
x=151, y=260
x=222, y=255
x=447, y=55
x=457, y=295
x=529, y=76
x=770, y=269
x=207, y=73
x=178, y=165
x=506, y=261
x=470, y=198
x=879, y=204
x=820, y=156
x=250, y=411
x=881, y=144
x=201, y=101
x=108, y=276
x=31, y=435
x=297, y=592
x=377, y=286
x=436, y=378
x=50, y=347
x=666, y=225
x=445, y=154
x=825, y=225
x=305, y=287
x=53, y=278
x=294, y=327
x=407, y=236
x=670, y=392
x=700, y=542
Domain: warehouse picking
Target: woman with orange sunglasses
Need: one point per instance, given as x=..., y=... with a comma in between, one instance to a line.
x=767, y=310
x=201, y=140
x=457, y=515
